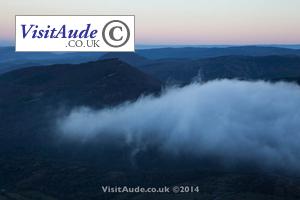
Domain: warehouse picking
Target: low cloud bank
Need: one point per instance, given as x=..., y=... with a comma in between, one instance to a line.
x=230, y=120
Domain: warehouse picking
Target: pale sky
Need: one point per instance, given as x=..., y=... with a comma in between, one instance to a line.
x=178, y=22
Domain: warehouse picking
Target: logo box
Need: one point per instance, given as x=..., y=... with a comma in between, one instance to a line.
x=75, y=33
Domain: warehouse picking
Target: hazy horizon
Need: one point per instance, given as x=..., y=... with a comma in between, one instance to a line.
x=215, y=22
x=154, y=46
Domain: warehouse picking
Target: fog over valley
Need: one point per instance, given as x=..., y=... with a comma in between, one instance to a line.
x=233, y=121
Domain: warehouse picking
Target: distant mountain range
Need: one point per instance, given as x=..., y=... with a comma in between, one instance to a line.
x=10, y=60
x=239, y=67
x=198, y=53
